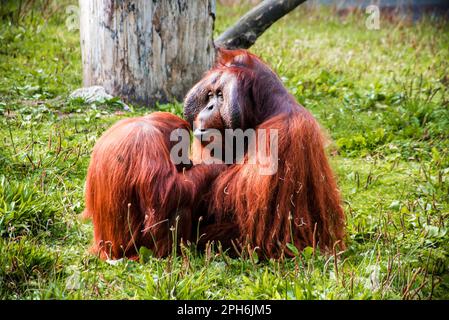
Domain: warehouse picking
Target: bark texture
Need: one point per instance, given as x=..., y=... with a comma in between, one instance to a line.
x=146, y=51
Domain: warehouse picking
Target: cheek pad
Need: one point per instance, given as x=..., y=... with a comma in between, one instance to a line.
x=195, y=99
x=230, y=112
x=193, y=103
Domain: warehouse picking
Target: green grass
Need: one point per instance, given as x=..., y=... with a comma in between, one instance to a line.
x=382, y=96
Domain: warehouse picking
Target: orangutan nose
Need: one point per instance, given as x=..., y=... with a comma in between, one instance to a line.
x=205, y=118
x=207, y=113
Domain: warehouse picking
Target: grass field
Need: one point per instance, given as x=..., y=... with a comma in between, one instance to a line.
x=382, y=96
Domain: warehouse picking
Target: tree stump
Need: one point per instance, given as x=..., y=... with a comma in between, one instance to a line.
x=146, y=51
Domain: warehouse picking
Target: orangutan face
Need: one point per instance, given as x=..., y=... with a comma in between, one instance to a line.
x=217, y=102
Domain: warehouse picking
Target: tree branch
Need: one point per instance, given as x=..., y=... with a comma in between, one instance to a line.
x=249, y=27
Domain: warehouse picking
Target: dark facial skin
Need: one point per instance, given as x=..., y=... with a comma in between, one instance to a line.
x=210, y=116
x=252, y=93
x=215, y=102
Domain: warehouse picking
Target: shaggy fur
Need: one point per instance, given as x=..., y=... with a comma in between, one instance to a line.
x=135, y=194
x=300, y=204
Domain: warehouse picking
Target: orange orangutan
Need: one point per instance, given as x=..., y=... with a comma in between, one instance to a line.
x=135, y=195
x=298, y=204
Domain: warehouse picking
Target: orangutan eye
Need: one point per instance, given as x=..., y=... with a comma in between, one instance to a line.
x=220, y=94
x=209, y=95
